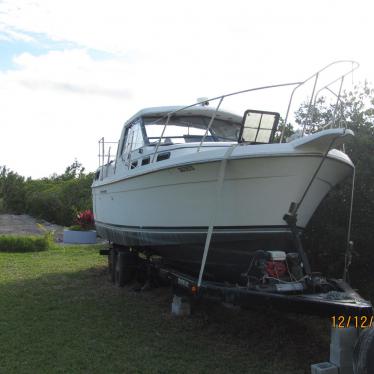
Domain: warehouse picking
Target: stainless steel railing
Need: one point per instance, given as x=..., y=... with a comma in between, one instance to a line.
x=307, y=126
x=312, y=100
x=316, y=92
x=106, y=153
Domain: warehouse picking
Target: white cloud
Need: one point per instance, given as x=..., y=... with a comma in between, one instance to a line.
x=50, y=115
x=9, y=34
x=58, y=104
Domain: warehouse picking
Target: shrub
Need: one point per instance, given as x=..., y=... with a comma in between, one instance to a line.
x=13, y=243
x=56, y=199
x=12, y=191
x=76, y=228
x=86, y=220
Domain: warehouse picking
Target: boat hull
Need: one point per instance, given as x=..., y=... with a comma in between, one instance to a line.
x=230, y=249
x=168, y=211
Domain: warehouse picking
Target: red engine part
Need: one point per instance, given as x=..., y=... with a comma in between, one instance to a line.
x=276, y=269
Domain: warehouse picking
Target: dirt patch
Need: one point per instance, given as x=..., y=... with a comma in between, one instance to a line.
x=23, y=224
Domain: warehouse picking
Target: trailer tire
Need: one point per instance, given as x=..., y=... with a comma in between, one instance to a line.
x=125, y=268
x=363, y=355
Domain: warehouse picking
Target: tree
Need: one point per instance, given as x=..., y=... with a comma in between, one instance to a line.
x=56, y=199
x=12, y=190
x=325, y=236
x=75, y=170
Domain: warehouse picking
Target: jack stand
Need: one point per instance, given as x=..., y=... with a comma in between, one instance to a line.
x=180, y=306
x=351, y=352
x=342, y=344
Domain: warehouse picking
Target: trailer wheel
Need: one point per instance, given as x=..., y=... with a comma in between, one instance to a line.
x=363, y=355
x=125, y=268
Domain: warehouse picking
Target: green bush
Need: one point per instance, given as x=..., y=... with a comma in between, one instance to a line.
x=56, y=199
x=326, y=235
x=13, y=243
x=12, y=190
x=76, y=228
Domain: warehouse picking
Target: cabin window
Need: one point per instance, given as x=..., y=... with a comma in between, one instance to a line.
x=188, y=129
x=124, y=142
x=133, y=138
x=163, y=156
x=134, y=164
x=146, y=160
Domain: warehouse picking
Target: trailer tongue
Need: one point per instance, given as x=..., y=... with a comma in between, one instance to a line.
x=342, y=302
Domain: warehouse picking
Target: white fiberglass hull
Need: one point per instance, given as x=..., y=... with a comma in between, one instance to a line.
x=166, y=207
x=175, y=205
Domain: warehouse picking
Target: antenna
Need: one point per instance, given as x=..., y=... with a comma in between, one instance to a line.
x=204, y=101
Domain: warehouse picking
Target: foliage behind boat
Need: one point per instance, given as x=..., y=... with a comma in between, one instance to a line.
x=56, y=199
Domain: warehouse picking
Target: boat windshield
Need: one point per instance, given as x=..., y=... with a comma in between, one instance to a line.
x=187, y=129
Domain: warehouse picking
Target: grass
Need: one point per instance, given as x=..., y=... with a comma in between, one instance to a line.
x=27, y=243
x=59, y=314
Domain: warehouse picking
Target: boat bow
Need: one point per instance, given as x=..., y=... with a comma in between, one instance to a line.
x=322, y=141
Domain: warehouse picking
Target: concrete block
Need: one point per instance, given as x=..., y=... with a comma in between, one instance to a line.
x=324, y=368
x=341, y=357
x=79, y=237
x=180, y=307
x=344, y=338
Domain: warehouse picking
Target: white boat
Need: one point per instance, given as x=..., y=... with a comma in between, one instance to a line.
x=182, y=171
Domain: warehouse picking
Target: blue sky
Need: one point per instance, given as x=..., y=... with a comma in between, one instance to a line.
x=39, y=45
x=10, y=49
x=74, y=71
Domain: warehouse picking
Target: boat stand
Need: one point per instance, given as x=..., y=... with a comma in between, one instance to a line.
x=351, y=352
x=180, y=306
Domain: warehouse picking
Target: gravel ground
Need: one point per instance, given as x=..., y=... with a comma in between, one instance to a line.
x=26, y=225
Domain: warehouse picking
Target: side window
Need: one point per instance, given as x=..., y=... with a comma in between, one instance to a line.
x=136, y=140
x=133, y=138
x=124, y=142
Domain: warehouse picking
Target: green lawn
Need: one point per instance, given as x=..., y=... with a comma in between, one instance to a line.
x=59, y=314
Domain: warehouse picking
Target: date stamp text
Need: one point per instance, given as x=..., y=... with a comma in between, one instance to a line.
x=359, y=322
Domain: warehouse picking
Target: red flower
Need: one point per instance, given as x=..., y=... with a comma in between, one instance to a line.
x=85, y=219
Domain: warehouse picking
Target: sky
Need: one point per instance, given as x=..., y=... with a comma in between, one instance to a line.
x=72, y=72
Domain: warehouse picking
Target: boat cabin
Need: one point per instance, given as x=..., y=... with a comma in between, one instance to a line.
x=155, y=125
x=154, y=134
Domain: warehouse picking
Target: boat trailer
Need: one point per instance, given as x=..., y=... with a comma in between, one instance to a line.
x=320, y=304
x=352, y=337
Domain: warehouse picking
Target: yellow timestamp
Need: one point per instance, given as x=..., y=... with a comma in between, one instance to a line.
x=359, y=322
